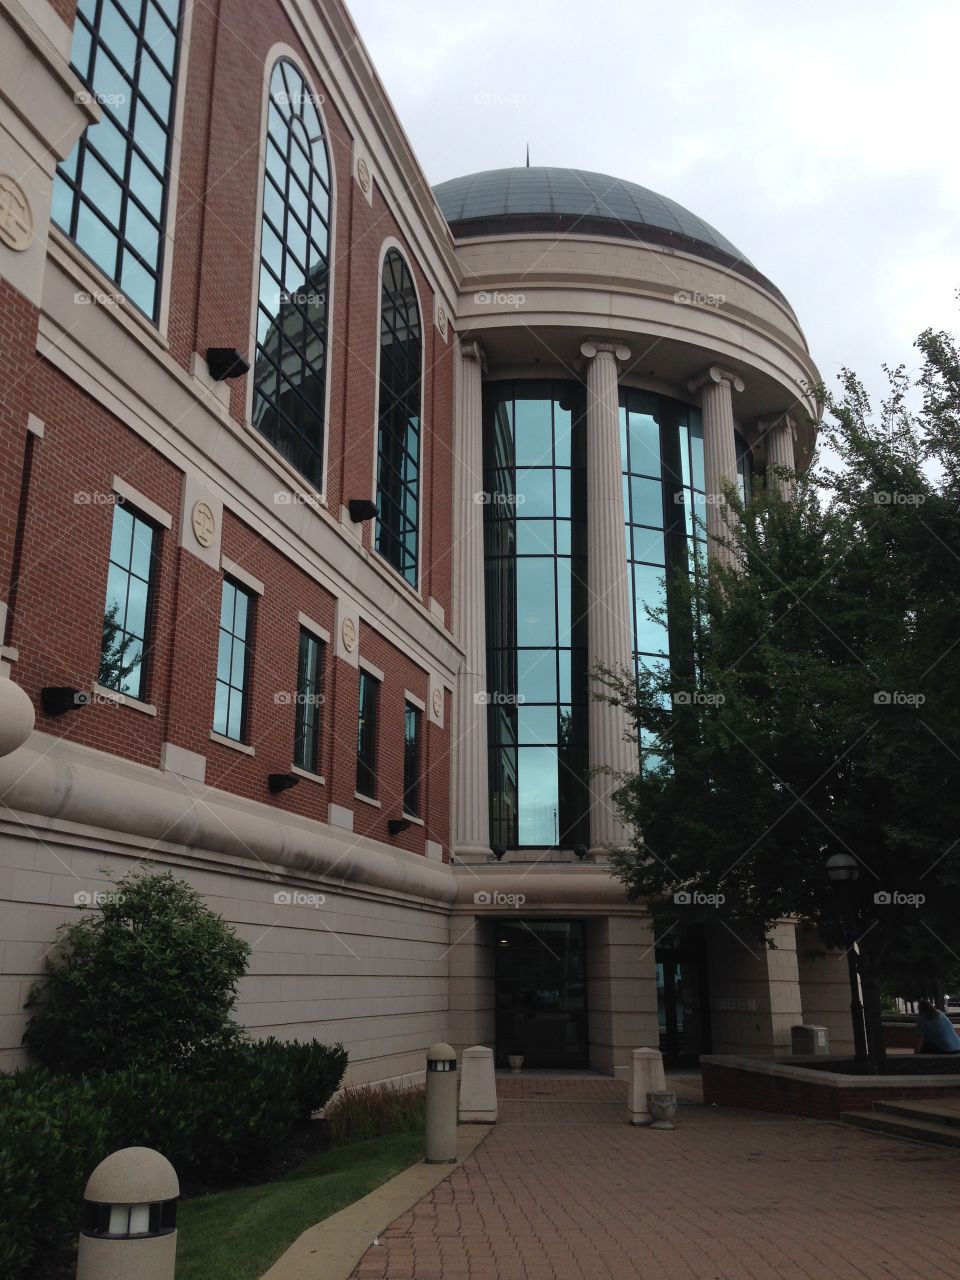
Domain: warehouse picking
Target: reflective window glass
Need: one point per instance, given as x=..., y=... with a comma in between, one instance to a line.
x=127, y=54
x=233, y=661
x=130, y=584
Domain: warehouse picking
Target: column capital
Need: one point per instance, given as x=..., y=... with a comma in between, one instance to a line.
x=590, y=349
x=474, y=351
x=716, y=374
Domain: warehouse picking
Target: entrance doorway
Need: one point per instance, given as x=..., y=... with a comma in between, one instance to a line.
x=682, y=1005
x=541, y=992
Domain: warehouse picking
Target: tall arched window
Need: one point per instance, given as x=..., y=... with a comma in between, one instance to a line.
x=291, y=359
x=398, y=445
x=110, y=193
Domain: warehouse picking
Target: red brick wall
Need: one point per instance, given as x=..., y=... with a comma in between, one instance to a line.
x=58, y=623
x=734, y=1087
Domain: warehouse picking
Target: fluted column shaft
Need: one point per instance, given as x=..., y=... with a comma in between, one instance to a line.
x=472, y=819
x=609, y=625
x=719, y=451
x=780, y=453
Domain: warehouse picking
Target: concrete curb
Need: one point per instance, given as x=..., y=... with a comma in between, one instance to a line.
x=332, y=1248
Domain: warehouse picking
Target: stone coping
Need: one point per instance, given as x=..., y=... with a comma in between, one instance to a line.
x=794, y=1069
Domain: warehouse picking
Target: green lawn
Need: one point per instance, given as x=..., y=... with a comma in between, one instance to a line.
x=237, y=1235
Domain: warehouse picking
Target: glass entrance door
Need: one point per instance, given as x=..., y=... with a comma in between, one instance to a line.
x=541, y=992
x=681, y=1006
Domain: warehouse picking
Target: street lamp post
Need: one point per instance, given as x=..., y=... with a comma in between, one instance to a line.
x=843, y=871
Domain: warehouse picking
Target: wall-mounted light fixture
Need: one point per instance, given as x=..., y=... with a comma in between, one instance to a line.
x=226, y=362
x=278, y=782
x=361, y=509
x=396, y=825
x=58, y=699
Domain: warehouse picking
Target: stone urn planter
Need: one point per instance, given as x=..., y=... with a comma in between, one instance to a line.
x=663, y=1107
x=515, y=1061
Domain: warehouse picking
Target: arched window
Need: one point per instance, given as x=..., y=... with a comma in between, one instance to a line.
x=398, y=445
x=291, y=358
x=110, y=193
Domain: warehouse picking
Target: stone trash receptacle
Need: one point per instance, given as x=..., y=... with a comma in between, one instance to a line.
x=478, y=1086
x=130, y=1218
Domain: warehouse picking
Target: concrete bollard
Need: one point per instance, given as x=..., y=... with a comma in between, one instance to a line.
x=646, y=1076
x=478, y=1087
x=441, y=1136
x=130, y=1218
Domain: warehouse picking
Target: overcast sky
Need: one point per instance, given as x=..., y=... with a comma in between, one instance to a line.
x=819, y=138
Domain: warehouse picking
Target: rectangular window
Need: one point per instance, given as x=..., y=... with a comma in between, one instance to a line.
x=411, y=760
x=306, y=747
x=233, y=661
x=126, y=613
x=367, y=735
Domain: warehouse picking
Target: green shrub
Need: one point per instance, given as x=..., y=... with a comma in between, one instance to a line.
x=150, y=974
x=219, y=1120
x=52, y=1134
x=370, y=1111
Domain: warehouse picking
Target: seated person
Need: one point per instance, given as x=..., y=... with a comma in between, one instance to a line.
x=935, y=1033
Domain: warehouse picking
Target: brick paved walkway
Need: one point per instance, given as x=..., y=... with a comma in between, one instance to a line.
x=563, y=1189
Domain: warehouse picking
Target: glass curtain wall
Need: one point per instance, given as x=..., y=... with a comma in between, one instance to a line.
x=535, y=534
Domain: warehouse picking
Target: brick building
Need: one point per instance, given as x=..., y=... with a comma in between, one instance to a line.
x=315, y=484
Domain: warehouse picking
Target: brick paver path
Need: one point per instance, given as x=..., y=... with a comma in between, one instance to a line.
x=563, y=1189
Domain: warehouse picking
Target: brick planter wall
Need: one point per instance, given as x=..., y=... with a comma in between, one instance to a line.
x=759, y=1085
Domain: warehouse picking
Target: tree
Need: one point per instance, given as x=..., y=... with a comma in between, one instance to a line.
x=115, y=665
x=147, y=976
x=818, y=710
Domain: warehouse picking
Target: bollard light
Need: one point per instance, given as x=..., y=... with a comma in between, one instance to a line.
x=130, y=1218
x=441, y=1124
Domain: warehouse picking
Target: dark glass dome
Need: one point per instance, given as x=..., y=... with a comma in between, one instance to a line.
x=564, y=200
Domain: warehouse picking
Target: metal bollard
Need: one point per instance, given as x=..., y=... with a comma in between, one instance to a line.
x=130, y=1218
x=441, y=1136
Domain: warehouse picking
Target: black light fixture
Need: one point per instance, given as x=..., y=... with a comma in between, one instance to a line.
x=278, y=782
x=498, y=852
x=226, y=362
x=396, y=825
x=58, y=699
x=581, y=851
x=362, y=509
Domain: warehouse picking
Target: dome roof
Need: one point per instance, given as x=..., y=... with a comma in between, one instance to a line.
x=546, y=199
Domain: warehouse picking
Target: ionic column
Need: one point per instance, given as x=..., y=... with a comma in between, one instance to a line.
x=719, y=450
x=609, y=625
x=779, y=440
x=472, y=818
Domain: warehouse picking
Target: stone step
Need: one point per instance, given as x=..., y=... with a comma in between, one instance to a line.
x=892, y=1126
x=923, y=1109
